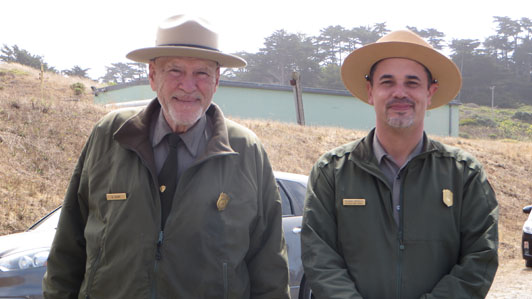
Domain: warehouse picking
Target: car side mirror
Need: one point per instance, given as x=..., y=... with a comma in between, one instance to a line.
x=527, y=209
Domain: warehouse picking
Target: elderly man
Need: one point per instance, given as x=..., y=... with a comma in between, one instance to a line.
x=396, y=214
x=174, y=200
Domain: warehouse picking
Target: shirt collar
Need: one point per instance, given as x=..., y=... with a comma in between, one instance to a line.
x=380, y=152
x=191, y=138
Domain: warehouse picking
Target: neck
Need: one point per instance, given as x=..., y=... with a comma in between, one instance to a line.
x=399, y=143
x=180, y=129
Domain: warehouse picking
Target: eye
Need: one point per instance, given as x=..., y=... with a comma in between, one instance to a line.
x=412, y=84
x=175, y=71
x=203, y=74
x=386, y=82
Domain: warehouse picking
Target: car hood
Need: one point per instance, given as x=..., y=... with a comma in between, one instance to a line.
x=19, y=242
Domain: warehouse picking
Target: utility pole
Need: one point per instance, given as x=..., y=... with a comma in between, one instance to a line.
x=296, y=84
x=492, y=94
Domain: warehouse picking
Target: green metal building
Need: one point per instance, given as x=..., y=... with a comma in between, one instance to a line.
x=322, y=107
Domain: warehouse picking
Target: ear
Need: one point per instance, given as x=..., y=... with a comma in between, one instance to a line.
x=217, y=78
x=369, y=90
x=432, y=90
x=151, y=75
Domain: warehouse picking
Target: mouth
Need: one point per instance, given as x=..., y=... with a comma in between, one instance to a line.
x=186, y=99
x=400, y=105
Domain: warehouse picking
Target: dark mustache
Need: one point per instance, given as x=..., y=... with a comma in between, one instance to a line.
x=400, y=101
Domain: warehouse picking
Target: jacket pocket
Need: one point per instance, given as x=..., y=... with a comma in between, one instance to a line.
x=94, y=267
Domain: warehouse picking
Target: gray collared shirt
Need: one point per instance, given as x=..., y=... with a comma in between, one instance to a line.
x=191, y=145
x=392, y=171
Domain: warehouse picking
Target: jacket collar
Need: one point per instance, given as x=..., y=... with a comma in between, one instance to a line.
x=134, y=134
x=363, y=150
x=219, y=142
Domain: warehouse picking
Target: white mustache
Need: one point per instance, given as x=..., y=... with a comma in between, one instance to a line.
x=186, y=96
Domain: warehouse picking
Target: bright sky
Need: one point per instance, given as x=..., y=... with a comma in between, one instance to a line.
x=93, y=34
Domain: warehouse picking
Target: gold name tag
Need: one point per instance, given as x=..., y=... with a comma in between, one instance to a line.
x=116, y=196
x=354, y=202
x=448, y=197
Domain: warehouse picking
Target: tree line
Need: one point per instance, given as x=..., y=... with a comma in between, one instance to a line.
x=498, y=68
x=117, y=73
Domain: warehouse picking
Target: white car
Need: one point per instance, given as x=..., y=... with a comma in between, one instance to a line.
x=526, y=244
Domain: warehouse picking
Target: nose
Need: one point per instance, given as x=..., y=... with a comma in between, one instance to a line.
x=399, y=91
x=188, y=83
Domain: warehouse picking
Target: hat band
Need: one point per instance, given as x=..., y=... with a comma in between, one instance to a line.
x=190, y=45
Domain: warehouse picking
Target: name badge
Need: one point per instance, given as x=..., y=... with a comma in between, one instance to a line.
x=448, y=197
x=354, y=201
x=116, y=196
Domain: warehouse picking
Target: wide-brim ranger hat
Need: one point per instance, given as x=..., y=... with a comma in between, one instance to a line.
x=402, y=44
x=186, y=36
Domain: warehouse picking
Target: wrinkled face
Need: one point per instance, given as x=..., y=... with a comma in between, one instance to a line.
x=400, y=93
x=185, y=87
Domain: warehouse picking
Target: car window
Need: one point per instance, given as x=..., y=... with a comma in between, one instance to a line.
x=285, y=201
x=295, y=191
x=48, y=222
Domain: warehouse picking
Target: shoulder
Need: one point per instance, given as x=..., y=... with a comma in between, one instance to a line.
x=103, y=133
x=239, y=134
x=116, y=118
x=351, y=150
x=456, y=154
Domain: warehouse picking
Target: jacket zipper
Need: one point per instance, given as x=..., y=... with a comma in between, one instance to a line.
x=400, y=235
x=93, y=271
x=226, y=291
x=400, y=259
x=158, y=257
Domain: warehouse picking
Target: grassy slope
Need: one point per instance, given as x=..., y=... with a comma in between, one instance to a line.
x=41, y=138
x=484, y=122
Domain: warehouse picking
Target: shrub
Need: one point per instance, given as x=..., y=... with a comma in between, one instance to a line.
x=523, y=116
x=464, y=135
x=479, y=121
x=78, y=88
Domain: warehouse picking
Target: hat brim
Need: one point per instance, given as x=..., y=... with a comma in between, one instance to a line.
x=358, y=64
x=144, y=55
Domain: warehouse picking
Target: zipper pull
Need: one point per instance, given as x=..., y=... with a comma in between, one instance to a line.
x=158, y=254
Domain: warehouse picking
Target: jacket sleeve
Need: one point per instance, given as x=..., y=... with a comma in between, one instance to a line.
x=324, y=267
x=473, y=275
x=267, y=257
x=66, y=262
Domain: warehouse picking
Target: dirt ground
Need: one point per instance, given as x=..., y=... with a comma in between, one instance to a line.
x=513, y=280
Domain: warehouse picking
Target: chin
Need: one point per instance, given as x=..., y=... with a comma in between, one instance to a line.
x=186, y=119
x=400, y=123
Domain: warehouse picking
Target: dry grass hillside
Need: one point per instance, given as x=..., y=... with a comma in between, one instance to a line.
x=43, y=131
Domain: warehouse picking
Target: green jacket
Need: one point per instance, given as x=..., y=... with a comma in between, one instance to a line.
x=115, y=248
x=353, y=248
